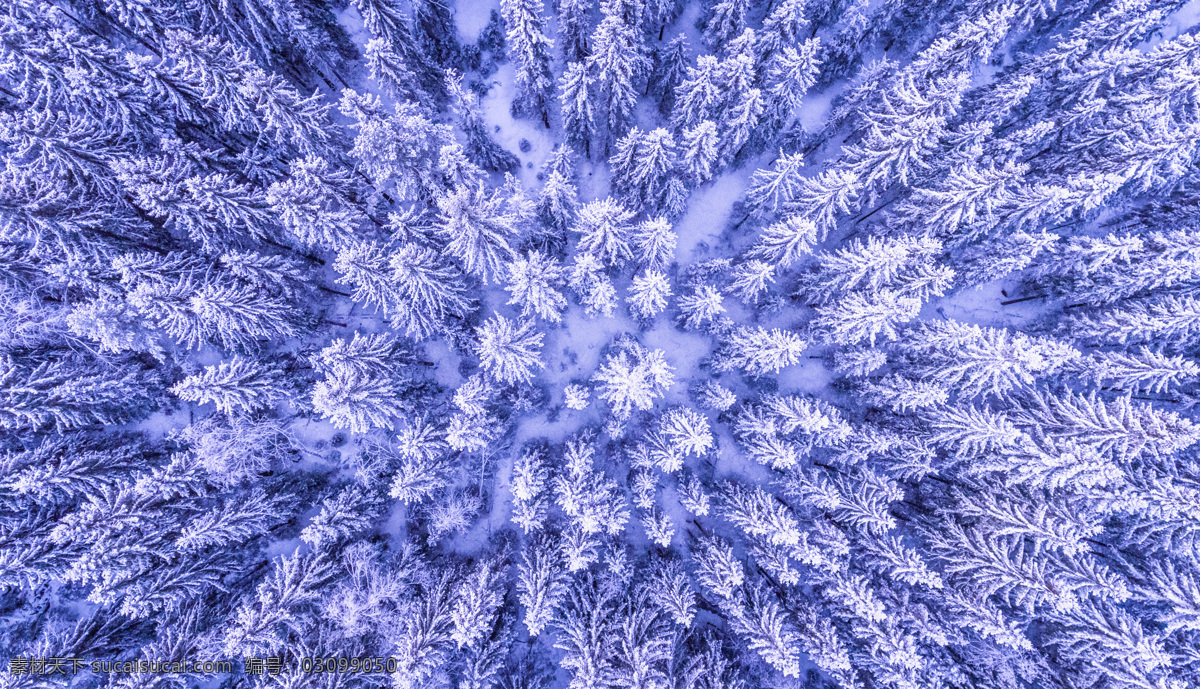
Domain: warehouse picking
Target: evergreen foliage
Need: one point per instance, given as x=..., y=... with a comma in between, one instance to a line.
x=651, y=344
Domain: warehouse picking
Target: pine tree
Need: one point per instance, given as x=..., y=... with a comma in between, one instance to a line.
x=654, y=168
x=792, y=71
x=364, y=385
x=586, y=626
x=384, y=19
x=573, y=25
x=740, y=123
x=424, y=291
x=302, y=122
x=433, y=26
x=1141, y=369
x=66, y=391
x=751, y=279
x=364, y=265
x=784, y=24
x=215, y=67
x=672, y=593
x=476, y=603
x=648, y=294
x=348, y=513
x=718, y=570
x=765, y=627
x=575, y=94
x=595, y=289
x=700, y=153
x=967, y=196
x=700, y=307
x=237, y=385
x=529, y=483
x=590, y=499
x=616, y=64
x=422, y=450
x=643, y=645
x=632, y=377
x=1171, y=320
x=269, y=273
x=605, y=226
x=978, y=361
x=529, y=49
x=727, y=18
x=316, y=203
x=660, y=13
x=896, y=264
x=422, y=642
x=390, y=69
x=399, y=152
x=541, y=583
x=823, y=198
x=237, y=312
x=1119, y=428
x=534, y=281
x=462, y=167
x=785, y=242
x=670, y=69
x=509, y=352
x=654, y=243
x=772, y=190
x=477, y=231
x=759, y=514
x=862, y=317
x=697, y=98
x=558, y=200
x=687, y=431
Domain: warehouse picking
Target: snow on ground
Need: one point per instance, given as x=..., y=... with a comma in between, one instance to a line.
x=1183, y=20
x=983, y=305
x=510, y=132
x=471, y=16
x=708, y=213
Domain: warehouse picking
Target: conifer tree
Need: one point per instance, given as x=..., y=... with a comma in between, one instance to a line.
x=424, y=291
x=508, y=351
x=575, y=95
x=71, y=391
x=315, y=203
x=392, y=71
x=616, y=65
x=772, y=190
x=700, y=153
x=700, y=307
x=477, y=231
x=574, y=23
x=727, y=18
x=606, y=229
x=632, y=377
x=698, y=96
x=654, y=243
x=529, y=49
x=648, y=294
x=476, y=602
x=533, y=283
x=364, y=386
x=595, y=289
x=541, y=582
x=785, y=242
x=670, y=69
x=237, y=385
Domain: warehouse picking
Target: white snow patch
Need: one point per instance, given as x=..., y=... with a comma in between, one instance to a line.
x=471, y=16
x=708, y=213
x=497, y=113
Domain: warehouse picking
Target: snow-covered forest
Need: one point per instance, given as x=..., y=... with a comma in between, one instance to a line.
x=591, y=344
